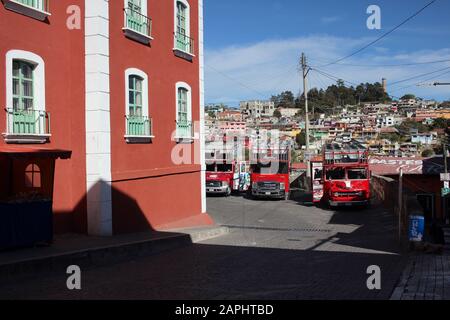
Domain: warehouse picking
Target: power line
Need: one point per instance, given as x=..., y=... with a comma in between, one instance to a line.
x=381, y=37
x=235, y=80
x=391, y=65
x=421, y=82
x=418, y=76
x=335, y=78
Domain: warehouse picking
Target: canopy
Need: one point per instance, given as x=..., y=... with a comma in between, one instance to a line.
x=35, y=152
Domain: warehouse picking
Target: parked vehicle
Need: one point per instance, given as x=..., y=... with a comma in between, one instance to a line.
x=317, y=179
x=346, y=174
x=270, y=174
x=221, y=176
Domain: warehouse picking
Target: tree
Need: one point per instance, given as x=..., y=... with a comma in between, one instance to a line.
x=284, y=100
x=408, y=96
x=427, y=153
x=445, y=104
x=211, y=114
x=277, y=114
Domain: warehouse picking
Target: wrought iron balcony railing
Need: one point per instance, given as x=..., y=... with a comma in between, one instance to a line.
x=41, y=5
x=185, y=130
x=27, y=122
x=139, y=126
x=137, y=22
x=184, y=43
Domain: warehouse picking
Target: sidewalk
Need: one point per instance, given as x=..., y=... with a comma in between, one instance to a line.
x=426, y=277
x=87, y=251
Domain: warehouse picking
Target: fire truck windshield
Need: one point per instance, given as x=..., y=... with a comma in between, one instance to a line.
x=357, y=174
x=271, y=168
x=224, y=167
x=335, y=174
x=351, y=174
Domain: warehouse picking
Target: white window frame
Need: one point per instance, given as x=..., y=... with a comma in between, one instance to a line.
x=38, y=91
x=145, y=105
x=188, y=23
x=186, y=86
x=38, y=75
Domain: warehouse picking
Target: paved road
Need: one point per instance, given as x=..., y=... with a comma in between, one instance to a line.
x=275, y=250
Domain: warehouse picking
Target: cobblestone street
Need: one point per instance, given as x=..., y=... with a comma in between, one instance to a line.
x=426, y=277
x=275, y=250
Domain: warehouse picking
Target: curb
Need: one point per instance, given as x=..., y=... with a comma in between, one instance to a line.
x=105, y=255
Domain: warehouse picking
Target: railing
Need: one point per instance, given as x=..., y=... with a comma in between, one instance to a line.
x=27, y=122
x=41, y=5
x=184, y=43
x=136, y=21
x=139, y=126
x=184, y=129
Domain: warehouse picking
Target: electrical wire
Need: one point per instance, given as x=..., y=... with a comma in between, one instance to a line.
x=381, y=37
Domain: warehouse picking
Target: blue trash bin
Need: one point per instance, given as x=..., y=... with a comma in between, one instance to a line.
x=416, y=228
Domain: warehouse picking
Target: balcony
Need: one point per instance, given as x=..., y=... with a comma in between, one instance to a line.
x=37, y=9
x=184, y=46
x=139, y=129
x=184, y=131
x=27, y=126
x=137, y=26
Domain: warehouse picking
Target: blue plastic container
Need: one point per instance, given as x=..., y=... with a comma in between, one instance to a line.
x=416, y=228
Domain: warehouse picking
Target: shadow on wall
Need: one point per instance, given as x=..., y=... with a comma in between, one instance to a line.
x=76, y=221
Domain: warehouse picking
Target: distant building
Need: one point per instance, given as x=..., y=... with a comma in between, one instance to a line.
x=288, y=112
x=257, y=108
x=423, y=138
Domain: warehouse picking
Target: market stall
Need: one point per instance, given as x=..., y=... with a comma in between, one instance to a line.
x=26, y=195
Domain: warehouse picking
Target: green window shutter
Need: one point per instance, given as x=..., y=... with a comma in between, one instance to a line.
x=137, y=124
x=181, y=36
x=24, y=117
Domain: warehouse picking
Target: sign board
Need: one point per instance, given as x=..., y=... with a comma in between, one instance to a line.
x=446, y=184
x=416, y=228
x=445, y=191
x=445, y=176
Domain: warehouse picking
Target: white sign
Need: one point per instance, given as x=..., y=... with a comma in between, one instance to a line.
x=445, y=177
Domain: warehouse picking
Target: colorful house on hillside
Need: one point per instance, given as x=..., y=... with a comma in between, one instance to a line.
x=120, y=85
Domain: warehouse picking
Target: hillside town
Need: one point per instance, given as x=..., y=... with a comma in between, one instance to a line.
x=409, y=127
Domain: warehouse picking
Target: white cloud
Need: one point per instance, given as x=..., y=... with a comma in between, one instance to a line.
x=258, y=70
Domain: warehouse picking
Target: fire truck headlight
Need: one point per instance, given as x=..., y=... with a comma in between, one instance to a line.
x=282, y=186
x=225, y=184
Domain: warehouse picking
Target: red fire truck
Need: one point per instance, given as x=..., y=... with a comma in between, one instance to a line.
x=270, y=174
x=346, y=174
x=222, y=174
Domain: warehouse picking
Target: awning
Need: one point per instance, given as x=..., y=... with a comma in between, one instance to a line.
x=35, y=152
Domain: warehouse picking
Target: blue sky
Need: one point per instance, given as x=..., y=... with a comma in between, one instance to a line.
x=252, y=47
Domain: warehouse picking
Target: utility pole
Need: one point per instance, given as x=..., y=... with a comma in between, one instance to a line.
x=305, y=93
x=400, y=203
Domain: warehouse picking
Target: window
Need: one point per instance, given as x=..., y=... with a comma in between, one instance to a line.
x=335, y=174
x=27, y=120
x=33, y=176
x=357, y=174
x=37, y=9
x=137, y=24
x=184, y=107
x=138, y=123
x=22, y=85
x=183, y=42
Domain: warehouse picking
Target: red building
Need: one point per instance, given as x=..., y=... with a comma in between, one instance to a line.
x=120, y=84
